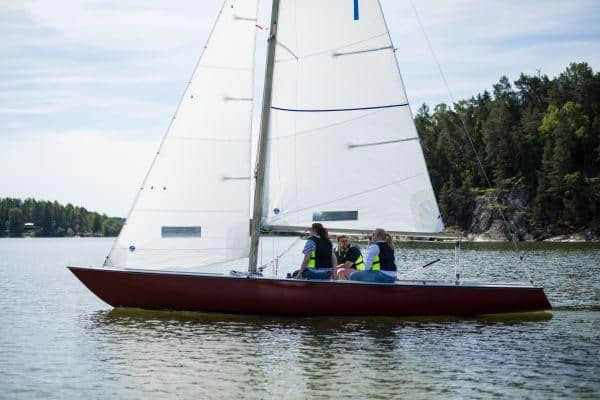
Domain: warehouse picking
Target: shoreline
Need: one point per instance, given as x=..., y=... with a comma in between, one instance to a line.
x=576, y=237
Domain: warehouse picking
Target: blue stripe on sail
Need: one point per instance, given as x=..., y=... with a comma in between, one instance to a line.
x=339, y=109
x=356, y=10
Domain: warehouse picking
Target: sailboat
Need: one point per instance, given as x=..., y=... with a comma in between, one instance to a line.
x=333, y=100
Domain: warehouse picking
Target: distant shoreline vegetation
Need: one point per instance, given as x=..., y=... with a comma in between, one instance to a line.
x=39, y=218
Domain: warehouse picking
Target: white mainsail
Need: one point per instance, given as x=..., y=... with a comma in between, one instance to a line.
x=193, y=207
x=343, y=148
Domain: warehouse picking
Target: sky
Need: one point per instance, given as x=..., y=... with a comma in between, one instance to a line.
x=88, y=87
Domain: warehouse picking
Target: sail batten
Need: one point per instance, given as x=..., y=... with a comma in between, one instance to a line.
x=348, y=53
x=352, y=146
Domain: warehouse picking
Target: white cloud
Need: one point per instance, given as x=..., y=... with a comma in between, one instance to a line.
x=115, y=25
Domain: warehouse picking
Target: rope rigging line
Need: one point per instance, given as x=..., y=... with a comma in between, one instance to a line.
x=464, y=127
x=418, y=268
x=275, y=261
x=330, y=50
x=283, y=46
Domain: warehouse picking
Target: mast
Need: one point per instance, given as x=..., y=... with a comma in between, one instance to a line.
x=262, y=142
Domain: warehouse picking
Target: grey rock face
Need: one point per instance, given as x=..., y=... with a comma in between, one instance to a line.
x=583, y=236
x=487, y=222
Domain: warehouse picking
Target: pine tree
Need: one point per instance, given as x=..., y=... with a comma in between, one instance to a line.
x=16, y=223
x=97, y=224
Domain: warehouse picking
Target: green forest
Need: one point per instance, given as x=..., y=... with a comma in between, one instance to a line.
x=53, y=219
x=539, y=137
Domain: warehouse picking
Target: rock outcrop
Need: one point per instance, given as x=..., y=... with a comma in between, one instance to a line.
x=500, y=215
x=491, y=209
x=589, y=235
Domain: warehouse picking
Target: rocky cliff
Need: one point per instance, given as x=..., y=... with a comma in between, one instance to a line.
x=490, y=208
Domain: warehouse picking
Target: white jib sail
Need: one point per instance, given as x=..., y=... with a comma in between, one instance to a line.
x=343, y=148
x=193, y=208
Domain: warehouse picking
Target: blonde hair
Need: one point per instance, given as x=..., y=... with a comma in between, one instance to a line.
x=385, y=236
x=340, y=237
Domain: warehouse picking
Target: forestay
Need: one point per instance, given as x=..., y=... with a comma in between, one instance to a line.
x=343, y=146
x=193, y=207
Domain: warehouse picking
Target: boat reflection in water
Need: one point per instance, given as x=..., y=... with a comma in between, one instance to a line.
x=139, y=317
x=326, y=357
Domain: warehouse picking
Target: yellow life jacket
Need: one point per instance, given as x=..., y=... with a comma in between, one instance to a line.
x=359, y=264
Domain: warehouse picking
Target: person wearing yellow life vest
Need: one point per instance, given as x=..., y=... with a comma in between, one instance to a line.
x=319, y=258
x=380, y=262
x=349, y=259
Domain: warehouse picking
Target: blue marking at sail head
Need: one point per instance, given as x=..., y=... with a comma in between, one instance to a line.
x=356, y=10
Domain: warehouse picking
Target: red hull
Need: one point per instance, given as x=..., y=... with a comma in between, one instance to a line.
x=219, y=293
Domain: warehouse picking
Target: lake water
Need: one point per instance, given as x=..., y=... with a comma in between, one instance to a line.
x=57, y=340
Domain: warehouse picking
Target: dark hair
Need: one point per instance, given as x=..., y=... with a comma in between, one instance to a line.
x=385, y=236
x=321, y=231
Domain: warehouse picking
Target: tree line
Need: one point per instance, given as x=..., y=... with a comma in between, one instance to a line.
x=51, y=218
x=537, y=135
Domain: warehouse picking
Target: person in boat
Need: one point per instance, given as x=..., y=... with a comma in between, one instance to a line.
x=349, y=258
x=380, y=262
x=319, y=258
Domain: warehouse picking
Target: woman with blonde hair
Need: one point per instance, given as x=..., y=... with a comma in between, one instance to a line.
x=380, y=262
